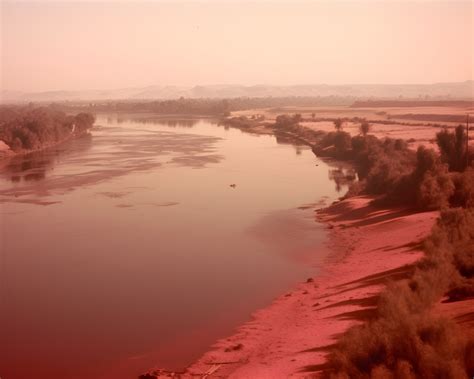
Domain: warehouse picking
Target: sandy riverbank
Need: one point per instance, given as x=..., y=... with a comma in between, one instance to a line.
x=369, y=246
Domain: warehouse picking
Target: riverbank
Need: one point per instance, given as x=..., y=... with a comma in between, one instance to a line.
x=369, y=247
x=8, y=153
x=25, y=130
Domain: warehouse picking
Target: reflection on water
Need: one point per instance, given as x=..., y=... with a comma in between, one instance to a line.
x=131, y=249
x=172, y=123
x=112, y=151
x=35, y=166
x=342, y=176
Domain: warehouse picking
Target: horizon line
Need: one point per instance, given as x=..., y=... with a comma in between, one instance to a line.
x=239, y=85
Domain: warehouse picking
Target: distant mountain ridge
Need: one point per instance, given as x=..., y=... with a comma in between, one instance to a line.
x=455, y=90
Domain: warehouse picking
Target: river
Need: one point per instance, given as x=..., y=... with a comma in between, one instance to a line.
x=140, y=245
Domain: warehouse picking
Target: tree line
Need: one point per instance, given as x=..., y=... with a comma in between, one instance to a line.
x=31, y=128
x=205, y=106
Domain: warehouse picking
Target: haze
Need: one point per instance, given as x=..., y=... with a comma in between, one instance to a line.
x=84, y=45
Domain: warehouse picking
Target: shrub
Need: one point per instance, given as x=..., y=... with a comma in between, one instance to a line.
x=402, y=342
x=287, y=121
x=434, y=190
x=342, y=142
x=463, y=195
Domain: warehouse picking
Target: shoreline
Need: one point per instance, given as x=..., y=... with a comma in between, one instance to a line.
x=368, y=246
x=8, y=154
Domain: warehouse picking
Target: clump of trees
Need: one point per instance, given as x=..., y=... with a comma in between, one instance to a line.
x=383, y=163
x=241, y=122
x=387, y=167
x=335, y=144
x=432, y=184
x=453, y=148
x=463, y=195
x=30, y=128
x=288, y=121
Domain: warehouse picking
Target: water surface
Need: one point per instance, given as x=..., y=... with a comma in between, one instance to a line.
x=130, y=249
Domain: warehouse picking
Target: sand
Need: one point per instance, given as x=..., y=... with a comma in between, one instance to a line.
x=369, y=247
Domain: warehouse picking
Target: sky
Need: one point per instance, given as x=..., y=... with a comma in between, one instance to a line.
x=82, y=45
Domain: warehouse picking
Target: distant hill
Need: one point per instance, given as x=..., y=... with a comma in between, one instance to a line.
x=412, y=103
x=454, y=91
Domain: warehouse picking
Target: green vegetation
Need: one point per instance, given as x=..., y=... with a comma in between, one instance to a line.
x=30, y=128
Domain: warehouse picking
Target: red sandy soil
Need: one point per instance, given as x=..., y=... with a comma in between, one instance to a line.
x=370, y=246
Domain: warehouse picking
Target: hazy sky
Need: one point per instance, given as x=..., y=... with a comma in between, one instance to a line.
x=111, y=44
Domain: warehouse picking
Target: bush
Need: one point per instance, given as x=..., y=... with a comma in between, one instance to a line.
x=463, y=195
x=452, y=242
x=428, y=186
x=342, y=142
x=386, y=163
x=287, y=121
x=434, y=190
x=401, y=342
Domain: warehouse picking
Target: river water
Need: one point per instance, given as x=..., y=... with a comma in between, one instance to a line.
x=129, y=249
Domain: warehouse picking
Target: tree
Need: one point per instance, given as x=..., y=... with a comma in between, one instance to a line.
x=84, y=121
x=338, y=124
x=29, y=128
x=452, y=146
x=286, y=121
x=342, y=142
x=433, y=184
x=364, y=128
x=297, y=118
